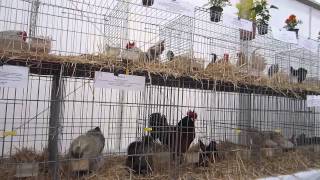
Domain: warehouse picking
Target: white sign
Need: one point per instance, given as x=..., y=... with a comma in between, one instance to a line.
x=308, y=44
x=183, y=7
x=14, y=76
x=285, y=36
x=123, y=82
x=313, y=101
x=234, y=21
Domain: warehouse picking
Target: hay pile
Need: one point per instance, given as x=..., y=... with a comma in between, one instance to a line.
x=179, y=67
x=232, y=166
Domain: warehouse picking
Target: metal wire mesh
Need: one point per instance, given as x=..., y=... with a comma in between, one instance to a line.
x=61, y=102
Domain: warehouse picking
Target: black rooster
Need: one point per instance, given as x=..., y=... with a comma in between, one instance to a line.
x=301, y=73
x=274, y=69
x=178, y=138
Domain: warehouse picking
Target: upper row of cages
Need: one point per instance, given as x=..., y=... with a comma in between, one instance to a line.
x=124, y=32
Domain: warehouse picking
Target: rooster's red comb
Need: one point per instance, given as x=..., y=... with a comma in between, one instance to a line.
x=192, y=114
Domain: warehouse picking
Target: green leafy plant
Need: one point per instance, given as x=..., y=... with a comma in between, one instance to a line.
x=262, y=10
x=218, y=3
x=246, y=11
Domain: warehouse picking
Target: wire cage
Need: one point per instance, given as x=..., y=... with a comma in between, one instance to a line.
x=224, y=96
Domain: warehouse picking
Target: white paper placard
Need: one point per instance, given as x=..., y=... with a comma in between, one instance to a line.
x=308, y=44
x=181, y=6
x=313, y=101
x=285, y=36
x=123, y=82
x=234, y=21
x=14, y=76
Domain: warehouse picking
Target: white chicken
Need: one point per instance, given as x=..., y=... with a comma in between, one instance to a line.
x=13, y=40
x=111, y=52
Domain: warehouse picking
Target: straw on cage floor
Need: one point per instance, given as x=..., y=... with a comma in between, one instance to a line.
x=231, y=167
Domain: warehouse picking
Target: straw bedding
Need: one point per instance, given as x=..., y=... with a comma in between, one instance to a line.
x=179, y=67
x=232, y=166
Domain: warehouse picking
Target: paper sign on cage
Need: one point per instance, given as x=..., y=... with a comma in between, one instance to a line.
x=313, y=101
x=234, y=21
x=308, y=44
x=122, y=82
x=285, y=36
x=14, y=76
x=182, y=6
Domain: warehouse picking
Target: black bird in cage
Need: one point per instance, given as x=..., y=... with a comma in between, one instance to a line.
x=214, y=58
x=139, y=156
x=178, y=138
x=170, y=55
x=88, y=146
x=274, y=69
x=300, y=73
x=208, y=153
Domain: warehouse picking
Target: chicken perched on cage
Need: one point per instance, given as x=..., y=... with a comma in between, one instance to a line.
x=300, y=74
x=185, y=62
x=155, y=51
x=88, y=146
x=273, y=69
x=215, y=60
x=302, y=140
x=40, y=44
x=178, y=138
x=132, y=53
x=275, y=139
x=267, y=139
x=13, y=40
x=111, y=52
x=254, y=65
x=139, y=155
x=201, y=154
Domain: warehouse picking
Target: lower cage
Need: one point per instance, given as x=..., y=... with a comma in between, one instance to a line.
x=237, y=163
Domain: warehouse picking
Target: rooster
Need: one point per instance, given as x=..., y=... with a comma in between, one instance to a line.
x=300, y=73
x=178, y=138
x=19, y=35
x=274, y=69
x=155, y=51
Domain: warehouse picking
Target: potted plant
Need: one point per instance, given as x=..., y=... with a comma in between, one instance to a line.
x=246, y=11
x=263, y=16
x=147, y=2
x=216, y=8
x=291, y=23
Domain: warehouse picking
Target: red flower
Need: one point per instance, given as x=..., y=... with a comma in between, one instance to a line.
x=292, y=17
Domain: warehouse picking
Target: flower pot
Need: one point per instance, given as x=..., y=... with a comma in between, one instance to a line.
x=147, y=2
x=263, y=29
x=248, y=35
x=295, y=30
x=215, y=13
